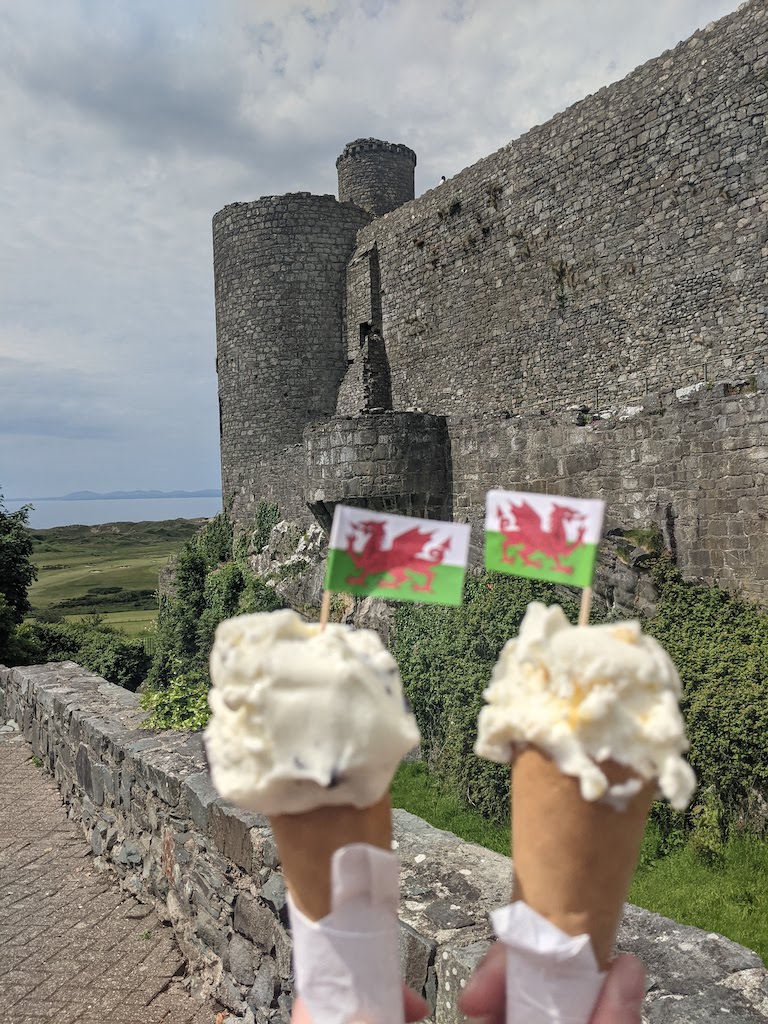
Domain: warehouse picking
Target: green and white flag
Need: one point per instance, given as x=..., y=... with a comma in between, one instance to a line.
x=397, y=557
x=543, y=536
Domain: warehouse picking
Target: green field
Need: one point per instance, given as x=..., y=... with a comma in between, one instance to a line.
x=110, y=569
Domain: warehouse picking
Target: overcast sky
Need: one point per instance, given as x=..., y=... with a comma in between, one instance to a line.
x=125, y=124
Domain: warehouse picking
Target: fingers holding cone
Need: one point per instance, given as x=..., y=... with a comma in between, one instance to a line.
x=484, y=998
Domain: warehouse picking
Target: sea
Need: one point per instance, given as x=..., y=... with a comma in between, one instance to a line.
x=45, y=514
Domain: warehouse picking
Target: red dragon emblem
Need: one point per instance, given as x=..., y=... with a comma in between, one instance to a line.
x=526, y=540
x=413, y=553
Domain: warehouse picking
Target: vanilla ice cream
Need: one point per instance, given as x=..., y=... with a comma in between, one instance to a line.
x=586, y=695
x=303, y=716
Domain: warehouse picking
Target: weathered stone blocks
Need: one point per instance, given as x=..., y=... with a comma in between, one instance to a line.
x=410, y=476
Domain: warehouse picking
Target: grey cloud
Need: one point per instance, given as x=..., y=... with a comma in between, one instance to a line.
x=141, y=89
x=41, y=401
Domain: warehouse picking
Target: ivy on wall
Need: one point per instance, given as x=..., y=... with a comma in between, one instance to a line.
x=718, y=642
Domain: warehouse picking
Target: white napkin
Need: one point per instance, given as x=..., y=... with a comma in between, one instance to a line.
x=347, y=965
x=552, y=978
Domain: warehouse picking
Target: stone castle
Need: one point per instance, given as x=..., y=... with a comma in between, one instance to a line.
x=582, y=312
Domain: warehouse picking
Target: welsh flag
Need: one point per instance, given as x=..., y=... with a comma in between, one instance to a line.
x=542, y=536
x=397, y=557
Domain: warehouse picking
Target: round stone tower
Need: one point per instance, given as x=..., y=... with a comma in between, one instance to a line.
x=279, y=269
x=376, y=176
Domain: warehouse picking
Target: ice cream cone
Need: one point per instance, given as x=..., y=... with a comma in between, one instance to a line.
x=307, y=842
x=574, y=859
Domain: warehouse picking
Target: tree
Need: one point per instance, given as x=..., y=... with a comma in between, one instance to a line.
x=17, y=573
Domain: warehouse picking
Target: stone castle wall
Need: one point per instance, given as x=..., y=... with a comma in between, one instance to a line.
x=693, y=466
x=149, y=813
x=612, y=254
x=279, y=268
x=617, y=249
x=392, y=462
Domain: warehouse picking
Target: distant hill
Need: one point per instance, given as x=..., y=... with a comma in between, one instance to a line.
x=116, y=535
x=123, y=495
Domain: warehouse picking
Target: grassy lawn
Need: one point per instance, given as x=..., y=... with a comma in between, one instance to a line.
x=730, y=899
x=416, y=790
x=110, y=569
x=133, y=623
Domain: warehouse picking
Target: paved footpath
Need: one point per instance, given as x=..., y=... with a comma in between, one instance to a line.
x=73, y=947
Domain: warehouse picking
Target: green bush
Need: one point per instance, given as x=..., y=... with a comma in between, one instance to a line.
x=183, y=704
x=17, y=573
x=214, y=541
x=107, y=598
x=446, y=656
x=91, y=644
x=719, y=644
x=267, y=517
x=258, y=597
x=221, y=595
x=209, y=586
x=178, y=620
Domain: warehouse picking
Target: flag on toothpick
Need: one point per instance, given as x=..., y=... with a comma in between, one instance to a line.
x=397, y=557
x=543, y=536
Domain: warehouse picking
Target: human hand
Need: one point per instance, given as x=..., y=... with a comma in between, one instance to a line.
x=484, y=998
x=415, y=1008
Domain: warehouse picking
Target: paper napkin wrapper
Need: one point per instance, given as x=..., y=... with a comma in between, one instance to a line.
x=552, y=977
x=347, y=964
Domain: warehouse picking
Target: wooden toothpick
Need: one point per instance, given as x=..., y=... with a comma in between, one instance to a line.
x=325, y=609
x=586, y=606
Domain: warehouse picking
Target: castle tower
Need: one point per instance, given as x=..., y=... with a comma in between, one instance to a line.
x=376, y=176
x=279, y=269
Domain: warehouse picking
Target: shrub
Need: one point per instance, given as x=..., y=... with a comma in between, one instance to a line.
x=267, y=517
x=446, y=656
x=209, y=587
x=91, y=644
x=182, y=705
x=17, y=573
x=214, y=541
x=719, y=644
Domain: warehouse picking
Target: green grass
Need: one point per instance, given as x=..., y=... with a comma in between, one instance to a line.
x=132, y=623
x=416, y=790
x=73, y=560
x=730, y=899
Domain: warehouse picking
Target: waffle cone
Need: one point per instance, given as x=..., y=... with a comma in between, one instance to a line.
x=574, y=859
x=307, y=842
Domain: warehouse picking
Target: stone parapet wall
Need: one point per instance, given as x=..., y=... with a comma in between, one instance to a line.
x=693, y=464
x=149, y=813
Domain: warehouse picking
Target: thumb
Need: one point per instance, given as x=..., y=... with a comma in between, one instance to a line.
x=622, y=994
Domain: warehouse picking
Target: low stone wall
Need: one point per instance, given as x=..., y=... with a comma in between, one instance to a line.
x=149, y=812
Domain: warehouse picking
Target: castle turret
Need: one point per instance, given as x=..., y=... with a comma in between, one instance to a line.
x=376, y=176
x=279, y=267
